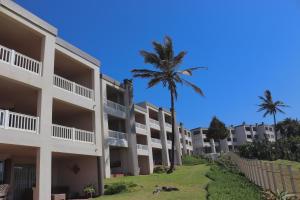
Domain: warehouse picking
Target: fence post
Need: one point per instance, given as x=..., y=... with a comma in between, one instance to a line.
x=273, y=177
x=73, y=134
x=258, y=173
x=292, y=179
x=268, y=176
x=37, y=125
x=282, y=177
x=262, y=174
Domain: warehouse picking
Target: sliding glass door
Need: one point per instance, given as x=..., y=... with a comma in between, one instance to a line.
x=1, y=172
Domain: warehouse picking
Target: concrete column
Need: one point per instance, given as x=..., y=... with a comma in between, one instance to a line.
x=183, y=139
x=97, y=112
x=163, y=137
x=106, y=153
x=178, y=160
x=43, y=173
x=100, y=170
x=213, y=146
x=133, y=166
x=149, y=142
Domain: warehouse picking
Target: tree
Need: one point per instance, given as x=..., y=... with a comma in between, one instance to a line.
x=289, y=127
x=270, y=107
x=166, y=65
x=217, y=130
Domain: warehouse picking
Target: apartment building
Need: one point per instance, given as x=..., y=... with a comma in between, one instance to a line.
x=136, y=137
x=238, y=135
x=186, y=141
x=50, y=135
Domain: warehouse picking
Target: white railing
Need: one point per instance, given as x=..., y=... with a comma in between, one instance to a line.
x=142, y=146
x=17, y=121
x=19, y=60
x=73, y=87
x=169, y=142
x=117, y=135
x=115, y=106
x=155, y=140
x=141, y=126
x=168, y=125
x=153, y=121
x=74, y=134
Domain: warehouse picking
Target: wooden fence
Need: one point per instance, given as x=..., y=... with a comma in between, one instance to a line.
x=268, y=175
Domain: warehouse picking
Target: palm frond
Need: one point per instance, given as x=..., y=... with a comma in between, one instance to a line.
x=196, y=88
x=145, y=73
x=169, y=48
x=178, y=58
x=189, y=71
x=159, y=49
x=150, y=58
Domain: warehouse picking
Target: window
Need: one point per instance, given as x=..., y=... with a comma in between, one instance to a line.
x=205, y=132
x=206, y=140
x=229, y=139
x=271, y=129
x=234, y=139
x=1, y=172
x=254, y=128
x=247, y=128
x=249, y=136
x=196, y=132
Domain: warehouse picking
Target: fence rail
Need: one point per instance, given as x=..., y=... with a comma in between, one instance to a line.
x=268, y=175
x=73, y=134
x=18, y=121
x=19, y=60
x=72, y=87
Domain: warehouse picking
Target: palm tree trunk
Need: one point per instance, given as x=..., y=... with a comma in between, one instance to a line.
x=173, y=133
x=275, y=125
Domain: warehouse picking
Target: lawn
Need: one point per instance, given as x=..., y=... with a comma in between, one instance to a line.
x=190, y=180
x=294, y=164
x=226, y=185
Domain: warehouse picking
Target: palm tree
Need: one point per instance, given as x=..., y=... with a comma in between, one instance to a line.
x=270, y=107
x=167, y=73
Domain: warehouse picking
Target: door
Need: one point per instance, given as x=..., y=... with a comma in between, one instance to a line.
x=24, y=180
x=1, y=172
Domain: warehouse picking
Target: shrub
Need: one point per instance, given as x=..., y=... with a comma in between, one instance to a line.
x=119, y=187
x=89, y=190
x=192, y=160
x=286, y=149
x=160, y=170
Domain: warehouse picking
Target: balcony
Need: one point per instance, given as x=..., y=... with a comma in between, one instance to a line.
x=155, y=140
x=142, y=149
x=115, y=106
x=20, y=61
x=116, y=138
x=141, y=126
x=73, y=87
x=154, y=123
x=168, y=125
x=72, y=134
x=20, y=122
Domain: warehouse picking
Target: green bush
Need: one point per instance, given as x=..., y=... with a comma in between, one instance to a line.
x=228, y=185
x=286, y=149
x=160, y=169
x=192, y=160
x=119, y=187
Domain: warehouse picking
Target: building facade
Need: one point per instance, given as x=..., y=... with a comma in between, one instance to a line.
x=50, y=136
x=238, y=135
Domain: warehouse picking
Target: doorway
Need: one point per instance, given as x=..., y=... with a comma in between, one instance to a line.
x=24, y=180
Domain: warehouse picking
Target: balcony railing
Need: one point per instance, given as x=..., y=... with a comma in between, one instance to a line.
x=73, y=87
x=17, y=121
x=141, y=126
x=155, y=140
x=168, y=125
x=19, y=60
x=153, y=121
x=115, y=106
x=169, y=142
x=142, y=147
x=73, y=134
x=117, y=135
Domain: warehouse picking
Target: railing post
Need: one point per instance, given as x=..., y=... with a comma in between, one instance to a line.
x=40, y=68
x=37, y=126
x=73, y=134
x=74, y=87
x=6, y=119
x=12, y=57
x=292, y=179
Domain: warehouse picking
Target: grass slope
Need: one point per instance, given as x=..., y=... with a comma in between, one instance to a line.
x=190, y=180
x=230, y=186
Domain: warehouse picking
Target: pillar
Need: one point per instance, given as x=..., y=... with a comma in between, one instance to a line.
x=183, y=139
x=163, y=137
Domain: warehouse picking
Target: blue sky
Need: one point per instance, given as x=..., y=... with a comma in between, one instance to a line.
x=249, y=46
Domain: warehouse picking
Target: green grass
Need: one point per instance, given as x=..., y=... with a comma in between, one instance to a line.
x=294, y=164
x=226, y=185
x=190, y=180
x=191, y=160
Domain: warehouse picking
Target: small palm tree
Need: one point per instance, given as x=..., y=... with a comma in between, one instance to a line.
x=270, y=107
x=167, y=72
